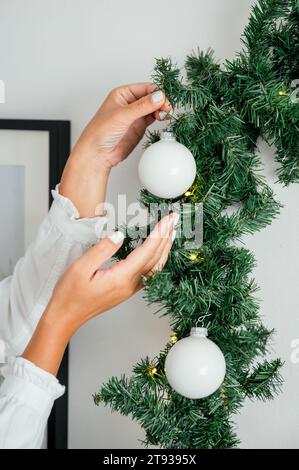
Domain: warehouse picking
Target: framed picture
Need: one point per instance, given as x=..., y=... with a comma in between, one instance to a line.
x=33, y=154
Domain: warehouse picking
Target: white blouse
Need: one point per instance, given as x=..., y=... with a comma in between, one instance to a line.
x=27, y=393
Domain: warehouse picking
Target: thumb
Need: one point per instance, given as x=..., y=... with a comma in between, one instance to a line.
x=145, y=105
x=102, y=252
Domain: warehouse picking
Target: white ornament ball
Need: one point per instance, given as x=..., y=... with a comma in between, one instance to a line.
x=195, y=366
x=167, y=168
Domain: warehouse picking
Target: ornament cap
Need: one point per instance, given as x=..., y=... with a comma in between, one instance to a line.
x=167, y=135
x=198, y=331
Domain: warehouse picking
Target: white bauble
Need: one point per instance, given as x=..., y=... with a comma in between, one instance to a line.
x=167, y=168
x=195, y=366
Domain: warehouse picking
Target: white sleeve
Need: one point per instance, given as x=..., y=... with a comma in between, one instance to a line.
x=61, y=238
x=27, y=395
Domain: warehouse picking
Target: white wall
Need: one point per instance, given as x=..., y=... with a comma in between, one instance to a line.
x=59, y=58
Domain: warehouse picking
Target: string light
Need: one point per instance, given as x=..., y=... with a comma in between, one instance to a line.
x=194, y=189
x=195, y=257
x=224, y=397
x=173, y=338
x=152, y=371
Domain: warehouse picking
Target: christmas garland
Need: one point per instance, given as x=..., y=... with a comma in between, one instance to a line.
x=224, y=110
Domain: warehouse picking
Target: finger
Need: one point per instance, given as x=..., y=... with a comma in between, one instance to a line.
x=134, y=134
x=155, y=264
x=134, y=91
x=159, y=265
x=141, y=256
x=158, y=253
x=142, y=107
x=101, y=252
x=126, y=94
x=165, y=112
x=121, y=268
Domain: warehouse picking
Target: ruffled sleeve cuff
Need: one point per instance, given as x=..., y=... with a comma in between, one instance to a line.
x=65, y=216
x=30, y=385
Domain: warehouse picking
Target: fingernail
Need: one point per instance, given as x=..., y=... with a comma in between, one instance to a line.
x=173, y=235
x=157, y=96
x=116, y=237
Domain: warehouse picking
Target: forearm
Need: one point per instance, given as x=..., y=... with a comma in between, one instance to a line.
x=84, y=182
x=49, y=341
x=24, y=296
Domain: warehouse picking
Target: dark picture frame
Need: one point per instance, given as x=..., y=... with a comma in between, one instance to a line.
x=59, y=149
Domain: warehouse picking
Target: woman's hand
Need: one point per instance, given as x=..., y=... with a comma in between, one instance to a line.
x=110, y=136
x=85, y=290
x=121, y=121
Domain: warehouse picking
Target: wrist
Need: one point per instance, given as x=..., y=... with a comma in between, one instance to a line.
x=86, y=154
x=59, y=323
x=84, y=181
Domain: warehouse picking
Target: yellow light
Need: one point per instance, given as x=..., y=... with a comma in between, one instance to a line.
x=193, y=256
x=282, y=93
x=152, y=370
x=188, y=193
x=173, y=338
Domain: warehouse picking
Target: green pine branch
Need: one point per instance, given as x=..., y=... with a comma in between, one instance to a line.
x=221, y=112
